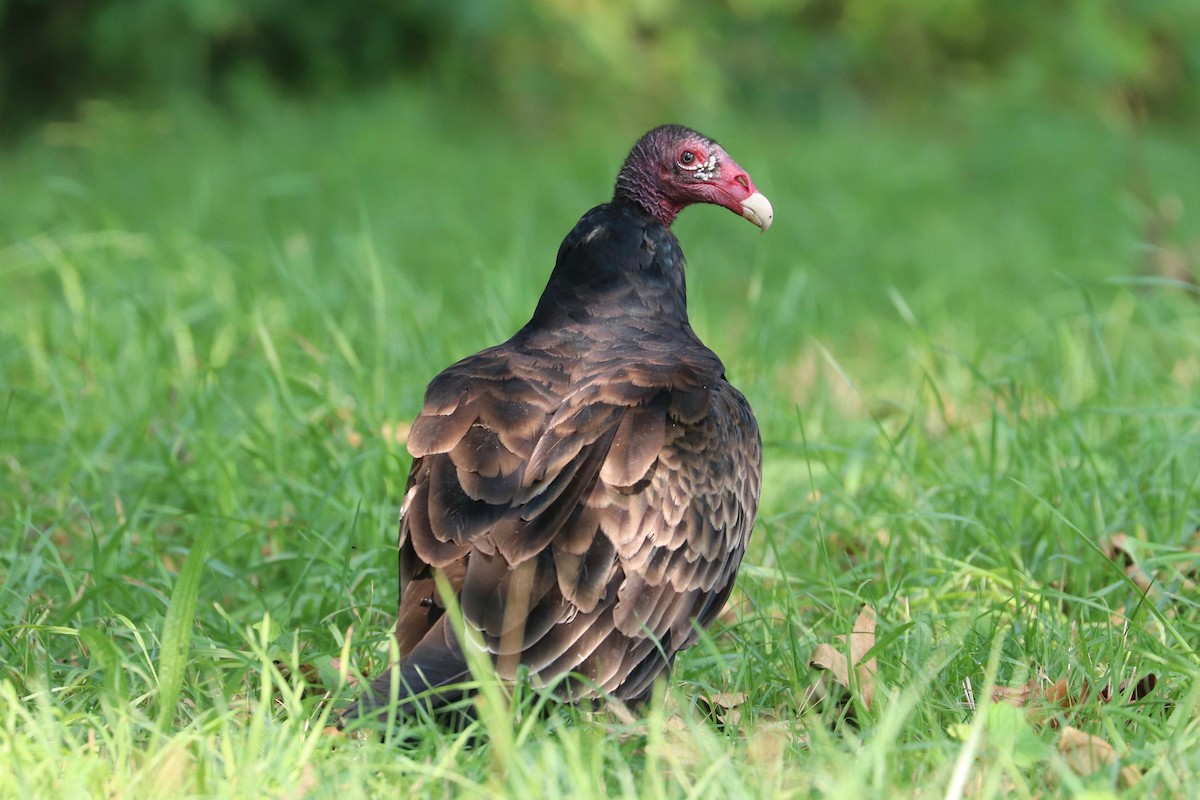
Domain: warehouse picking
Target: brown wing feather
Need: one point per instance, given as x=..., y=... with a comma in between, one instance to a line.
x=590, y=526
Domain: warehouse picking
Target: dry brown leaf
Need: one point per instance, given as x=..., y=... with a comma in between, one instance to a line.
x=1017, y=696
x=1086, y=753
x=1140, y=579
x=1058, y=693
x=1035, y=698
x=674, y=723
x=1083, y=752
x=1117, y=548
x=833, y=660
x=767, y=745
x=1144, y=686
x=862, y=637
x=728, y=699
x=725, y=707
x=1041, y=702
x=828, y=658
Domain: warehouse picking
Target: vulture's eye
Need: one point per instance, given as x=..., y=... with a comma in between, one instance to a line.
x=687, y=158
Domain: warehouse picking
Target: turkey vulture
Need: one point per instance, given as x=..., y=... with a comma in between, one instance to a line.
x=587, y=488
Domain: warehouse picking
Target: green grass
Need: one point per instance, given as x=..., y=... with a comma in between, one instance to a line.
x=966, y=365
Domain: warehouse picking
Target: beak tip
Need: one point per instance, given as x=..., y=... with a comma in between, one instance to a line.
x=757, y=209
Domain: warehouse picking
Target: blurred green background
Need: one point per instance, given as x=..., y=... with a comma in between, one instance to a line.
x=540, y=59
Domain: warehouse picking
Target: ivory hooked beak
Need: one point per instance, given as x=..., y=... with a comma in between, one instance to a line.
x=757, y=209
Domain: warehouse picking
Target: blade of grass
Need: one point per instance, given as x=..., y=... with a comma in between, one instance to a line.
x=176, y=634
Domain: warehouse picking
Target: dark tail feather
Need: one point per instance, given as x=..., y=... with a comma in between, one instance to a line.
x=427, y=680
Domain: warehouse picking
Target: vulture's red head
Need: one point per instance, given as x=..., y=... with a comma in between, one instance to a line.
x=672, y=167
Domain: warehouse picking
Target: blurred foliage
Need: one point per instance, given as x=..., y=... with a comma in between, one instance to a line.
x=542, y=57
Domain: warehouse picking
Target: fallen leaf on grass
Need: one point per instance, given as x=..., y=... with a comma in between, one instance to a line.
x=1035, y=698
x=1058, y=694
x=723, y=708
x=834, y=660
x=1085, y=754
x=1119, y=551
x=1038, y=699
x=1017, y=696
x=1144, y=686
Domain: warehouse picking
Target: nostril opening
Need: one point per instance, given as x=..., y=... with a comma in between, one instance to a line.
x=743, y=180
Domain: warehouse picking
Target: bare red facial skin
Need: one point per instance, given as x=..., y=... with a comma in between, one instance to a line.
x=673, y=167
x=712, y=177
